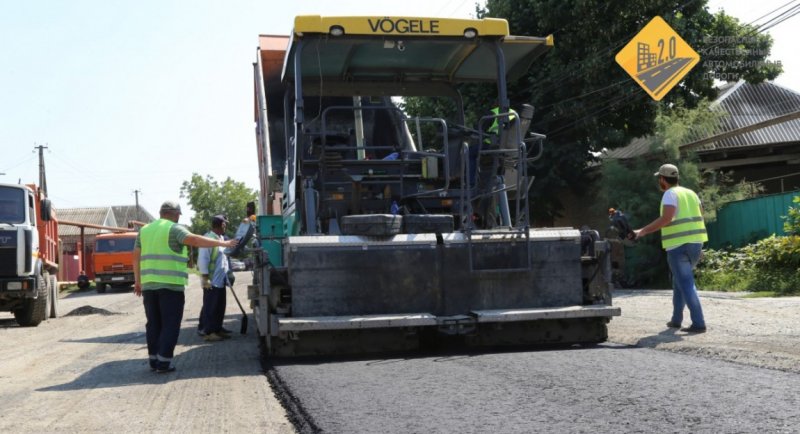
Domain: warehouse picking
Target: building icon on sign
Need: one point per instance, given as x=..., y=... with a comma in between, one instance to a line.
x=644, y=59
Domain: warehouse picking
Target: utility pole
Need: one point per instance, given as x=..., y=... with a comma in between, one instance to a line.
x=136, y=193
x=42, y=177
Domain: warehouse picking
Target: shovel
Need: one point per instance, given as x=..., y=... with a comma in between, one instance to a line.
x=243, y=328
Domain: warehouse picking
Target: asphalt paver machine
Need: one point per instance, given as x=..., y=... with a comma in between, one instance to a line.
x=384, y=231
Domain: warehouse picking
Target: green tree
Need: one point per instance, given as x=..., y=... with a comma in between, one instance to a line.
x=209, y=197
x=584, y=101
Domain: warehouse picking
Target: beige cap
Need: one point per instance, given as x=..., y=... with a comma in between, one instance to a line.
x=668, y=170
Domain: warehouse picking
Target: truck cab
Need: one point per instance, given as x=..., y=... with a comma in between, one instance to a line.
x=28, y=254
x=113, y=260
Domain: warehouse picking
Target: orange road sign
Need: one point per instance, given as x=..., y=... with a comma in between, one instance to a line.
x=657, y=58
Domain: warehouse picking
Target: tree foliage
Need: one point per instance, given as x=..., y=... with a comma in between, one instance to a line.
x=584, y=101
x=768, y=265
x=209, y=197
x=791, y=225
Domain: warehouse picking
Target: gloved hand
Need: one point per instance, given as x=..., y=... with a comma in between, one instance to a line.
x=206, y=282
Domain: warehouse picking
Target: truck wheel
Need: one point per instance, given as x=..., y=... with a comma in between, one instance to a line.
x=54, y=297
x=101, y=288
x=83, y=281
x=49, y=304
x=34, y=310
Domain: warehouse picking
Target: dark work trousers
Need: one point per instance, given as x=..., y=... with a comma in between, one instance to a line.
x=213, y=312
x=164, y=311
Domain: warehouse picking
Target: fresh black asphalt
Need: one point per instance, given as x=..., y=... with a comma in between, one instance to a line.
x=606, y=388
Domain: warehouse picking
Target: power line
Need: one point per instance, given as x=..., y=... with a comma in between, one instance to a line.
x=442, y=8
x=597, y=114
x=458, y=7
x=599, y=56
x=585, y=94
x=760, y=28
x=579, y=110
x=773, y=11
x=623, y=41
x=29, y=158
x=794, y=11
x=770, y=23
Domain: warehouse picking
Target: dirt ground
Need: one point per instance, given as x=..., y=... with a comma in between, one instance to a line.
x=761, y=332
x=87, y=372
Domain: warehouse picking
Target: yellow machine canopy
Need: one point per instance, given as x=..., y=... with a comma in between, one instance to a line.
x=407, y=50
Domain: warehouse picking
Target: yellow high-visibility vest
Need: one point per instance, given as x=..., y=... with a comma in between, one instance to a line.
x=212, y=262
x=496, y=124
x=159, y=263
x=687, y=226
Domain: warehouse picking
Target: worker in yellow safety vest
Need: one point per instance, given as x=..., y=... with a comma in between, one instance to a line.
x=160, y=273
x=494, y=128
x=683, y=233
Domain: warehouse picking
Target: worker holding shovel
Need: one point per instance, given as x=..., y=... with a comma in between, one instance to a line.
x=213, y=265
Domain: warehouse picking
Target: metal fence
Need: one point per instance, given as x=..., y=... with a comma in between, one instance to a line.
x=746, y=221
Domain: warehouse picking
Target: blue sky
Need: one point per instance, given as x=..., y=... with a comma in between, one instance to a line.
x=138, y=95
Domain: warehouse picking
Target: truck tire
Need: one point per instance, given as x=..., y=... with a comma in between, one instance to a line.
x=54, y=296
x=34, y=310
x=101, y=288
x=49, y=305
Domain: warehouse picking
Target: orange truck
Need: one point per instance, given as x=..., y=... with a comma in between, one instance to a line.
x=113, y=260
x=28, y=254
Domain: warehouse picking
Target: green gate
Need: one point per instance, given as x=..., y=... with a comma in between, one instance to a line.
x=746, y=221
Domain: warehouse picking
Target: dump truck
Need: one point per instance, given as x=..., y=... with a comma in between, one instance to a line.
x=384, y=231
x=113, y=260
x=28, y=254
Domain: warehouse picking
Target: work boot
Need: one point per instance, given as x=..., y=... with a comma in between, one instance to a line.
x=164, y=367
x=213, y=337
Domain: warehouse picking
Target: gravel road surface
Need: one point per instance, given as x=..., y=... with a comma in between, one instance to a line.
x=87, y=372
x=761, y=332
x=741, y=376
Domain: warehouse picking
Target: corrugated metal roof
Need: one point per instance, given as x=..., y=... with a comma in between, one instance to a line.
x=638, y=147
x=744, y=104
x=97, y=216
x=747, y=104
x=125, y=213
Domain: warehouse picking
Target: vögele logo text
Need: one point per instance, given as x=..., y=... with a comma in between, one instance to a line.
x=402, y=25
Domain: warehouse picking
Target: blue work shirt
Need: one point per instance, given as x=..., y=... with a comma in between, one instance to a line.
x=214, y=262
